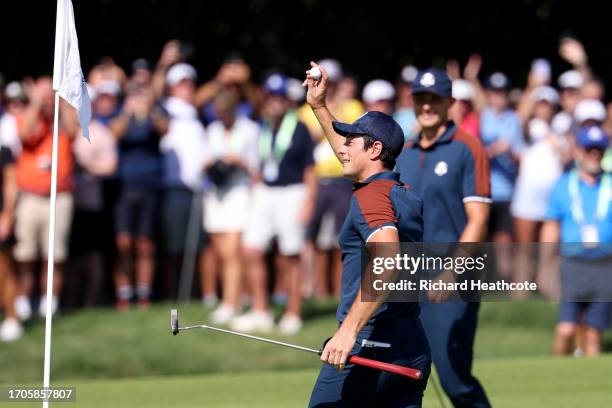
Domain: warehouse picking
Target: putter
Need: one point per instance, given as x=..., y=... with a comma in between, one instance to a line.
x=366, y=362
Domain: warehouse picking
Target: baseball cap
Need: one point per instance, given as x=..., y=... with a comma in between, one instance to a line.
x=571, y=79
x=107, y=87
x=378, y=125
x=276, y=84
x=497, y=81
x=295, y=90
x=433, y=80
x=14, y=90
x=409, y=73
x=378, y=90
x=139, y=64
x=333, y=68
x=590, y=109
x=179, y=72
x=546, y=94
x=463, y=90
x=592, y=136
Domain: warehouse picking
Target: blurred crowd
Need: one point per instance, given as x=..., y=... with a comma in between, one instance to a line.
x=225, y=188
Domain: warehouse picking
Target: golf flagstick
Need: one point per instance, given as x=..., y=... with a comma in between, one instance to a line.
x=68, y=83
x=366, y=362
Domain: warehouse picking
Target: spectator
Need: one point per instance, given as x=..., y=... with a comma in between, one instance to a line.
x=590, y=112
x=462, y=111
x=502, y=135
x=105, y=97
x=106, y=70
x=233, y=160
x=95, y=160
x=541, y=164
x=282, y=205
x=234, y=76
x=10, y=328
x=404, y=105
x=570, y=83
x=378, y=95
x=35, y=128
x=16, y=101
x=142, y=74
x=579, y=213
x=137, y=129
x=184, y=155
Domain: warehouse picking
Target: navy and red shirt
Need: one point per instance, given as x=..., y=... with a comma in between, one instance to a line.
x=451, y=172
x=381, y=201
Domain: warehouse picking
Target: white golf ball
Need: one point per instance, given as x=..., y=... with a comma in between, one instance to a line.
x=315, y=73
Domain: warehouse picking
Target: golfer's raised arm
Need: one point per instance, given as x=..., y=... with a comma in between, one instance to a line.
x=315, y=96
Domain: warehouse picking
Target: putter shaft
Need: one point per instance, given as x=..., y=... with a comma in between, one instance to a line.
x=279, y=343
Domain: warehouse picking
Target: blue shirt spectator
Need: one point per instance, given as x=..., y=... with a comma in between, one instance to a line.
x=506, y=128
x=572, y=231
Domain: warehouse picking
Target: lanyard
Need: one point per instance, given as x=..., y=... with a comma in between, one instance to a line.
x=283, y=138
x=217, y=141
x=603, y=197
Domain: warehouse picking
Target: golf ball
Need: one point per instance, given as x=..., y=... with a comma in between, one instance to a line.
x=315, y=73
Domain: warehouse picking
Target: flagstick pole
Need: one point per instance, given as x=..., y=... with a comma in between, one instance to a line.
x=51, y=251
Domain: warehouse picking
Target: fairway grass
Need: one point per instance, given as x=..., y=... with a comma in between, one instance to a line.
x=510, y=383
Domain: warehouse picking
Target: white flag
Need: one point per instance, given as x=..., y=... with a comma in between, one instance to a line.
x=68, y=77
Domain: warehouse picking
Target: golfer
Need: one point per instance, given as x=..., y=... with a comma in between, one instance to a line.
x=381, y=210
x=449, y=169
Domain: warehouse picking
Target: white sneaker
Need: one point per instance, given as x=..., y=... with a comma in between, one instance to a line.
x=23, y=308
x=223, y=314
x=210, y=300
x=290, y=324
x=10, y=330
x=253, y=321
x=42, y=307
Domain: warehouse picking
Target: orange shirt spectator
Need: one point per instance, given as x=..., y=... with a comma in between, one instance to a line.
x=34, y=163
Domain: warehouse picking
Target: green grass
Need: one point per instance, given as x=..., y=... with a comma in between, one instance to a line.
x=511, y=383
x=103, y=344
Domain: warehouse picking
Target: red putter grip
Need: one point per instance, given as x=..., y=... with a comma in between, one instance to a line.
x=391, y=368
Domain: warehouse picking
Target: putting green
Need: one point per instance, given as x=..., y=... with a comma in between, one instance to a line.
x=515, y=382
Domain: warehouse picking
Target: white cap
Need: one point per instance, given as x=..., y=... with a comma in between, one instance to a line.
x=295, y=90
x=107, y=87
x=333, y=68
x=409, y=73
x=571, y=79
x=590, y=109
x=14, y=90
x=179, y=72
x=538, y=129
x=562, y=123
x=463, y=90
x=547, y=94
x=378, y=90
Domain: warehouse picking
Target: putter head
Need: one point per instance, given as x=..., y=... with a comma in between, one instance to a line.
x=174, y=323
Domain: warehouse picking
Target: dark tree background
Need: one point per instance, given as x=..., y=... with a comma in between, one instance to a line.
x=372, y=38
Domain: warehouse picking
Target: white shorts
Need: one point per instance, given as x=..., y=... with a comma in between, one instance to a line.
x=276, y=212
x=228, y=212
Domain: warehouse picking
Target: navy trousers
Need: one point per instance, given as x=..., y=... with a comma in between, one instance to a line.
x=358, y=386
x=451, y=329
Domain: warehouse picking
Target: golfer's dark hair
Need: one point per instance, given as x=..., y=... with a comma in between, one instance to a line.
x=386, y=156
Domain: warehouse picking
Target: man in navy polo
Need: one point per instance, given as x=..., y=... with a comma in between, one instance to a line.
x=381, y=210
x=449, y=169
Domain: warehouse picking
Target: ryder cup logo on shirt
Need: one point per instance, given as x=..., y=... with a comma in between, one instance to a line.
x=428, y=79
x=441, y=168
